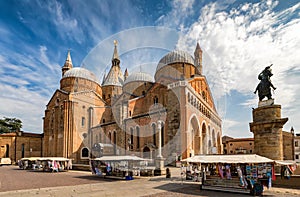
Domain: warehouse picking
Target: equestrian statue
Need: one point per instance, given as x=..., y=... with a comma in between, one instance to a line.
x=265, y=84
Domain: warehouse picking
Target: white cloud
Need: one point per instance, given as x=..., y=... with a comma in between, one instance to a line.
x=238, y=44
x=181, y=10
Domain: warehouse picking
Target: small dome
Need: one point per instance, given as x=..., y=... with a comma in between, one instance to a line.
x=139, y=76
x=175, y=57
x=81, y=73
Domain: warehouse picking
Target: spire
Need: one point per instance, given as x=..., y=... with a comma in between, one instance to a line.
x=68, y=63
x=198, y=58
x=125, y=74
x=115, y=57
x=115, y=75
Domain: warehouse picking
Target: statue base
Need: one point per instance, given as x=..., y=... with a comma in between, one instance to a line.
x=266, y=103
x=159, y=166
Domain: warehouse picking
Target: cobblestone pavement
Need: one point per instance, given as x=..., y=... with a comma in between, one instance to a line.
x=15, y=182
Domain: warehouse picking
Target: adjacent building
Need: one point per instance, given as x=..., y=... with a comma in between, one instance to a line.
x=17, y=145
x=237, y=145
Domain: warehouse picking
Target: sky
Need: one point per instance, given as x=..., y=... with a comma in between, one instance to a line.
x=239, y=39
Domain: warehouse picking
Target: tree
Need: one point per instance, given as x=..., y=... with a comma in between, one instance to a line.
x=8, y=125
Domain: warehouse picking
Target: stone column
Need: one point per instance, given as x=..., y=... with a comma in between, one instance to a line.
x=159, y=161
x=267, y=129
x=159, y=139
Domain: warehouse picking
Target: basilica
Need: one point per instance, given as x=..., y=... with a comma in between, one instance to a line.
x=171, y=114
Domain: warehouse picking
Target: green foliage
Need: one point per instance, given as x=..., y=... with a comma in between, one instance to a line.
x=8, y=125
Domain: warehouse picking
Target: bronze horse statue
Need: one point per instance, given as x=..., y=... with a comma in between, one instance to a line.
x=265, y=84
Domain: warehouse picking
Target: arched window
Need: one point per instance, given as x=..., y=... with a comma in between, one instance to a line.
x=84, y=152
x=154, y=134
x=137, y=137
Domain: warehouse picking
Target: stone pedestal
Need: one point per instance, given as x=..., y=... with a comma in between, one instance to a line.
x=267, y=129
x=159, y=166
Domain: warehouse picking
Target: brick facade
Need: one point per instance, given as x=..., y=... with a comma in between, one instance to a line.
x=127, y=111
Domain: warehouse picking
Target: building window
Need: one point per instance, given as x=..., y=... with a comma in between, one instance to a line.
x=84, y=152
x=250, y=151
x=250, y=143
x=138, y=137
x=155, y=100
x=103, y=121
x=297, y=156
x=129, y=113
x=131, y=138
x=82, y=121
x=296, y=144
x=103, y=96
x=231, y=151
x=23, y=150
x=162, y=134
x=143, y=93
x=154, y=134
x=230, y=144
x=7, y=151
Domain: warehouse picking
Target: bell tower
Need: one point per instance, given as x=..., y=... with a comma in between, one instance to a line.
x=198, y=58
x=68, y=64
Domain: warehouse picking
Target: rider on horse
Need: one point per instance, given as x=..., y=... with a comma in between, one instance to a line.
x=264, y=87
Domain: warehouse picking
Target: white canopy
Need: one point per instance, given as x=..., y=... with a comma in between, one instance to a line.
x=285, y=162
x=242, y=158
x=120, y=158
x=29, y=158
x=52, y=159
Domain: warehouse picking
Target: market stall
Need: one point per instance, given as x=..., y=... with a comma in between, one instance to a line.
x=247, y=173
x=27, y=163
x=55, y=164
x=118, y=167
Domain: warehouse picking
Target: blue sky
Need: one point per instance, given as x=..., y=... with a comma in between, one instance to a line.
x=239, y=38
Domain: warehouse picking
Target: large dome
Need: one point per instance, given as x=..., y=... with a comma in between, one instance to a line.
x=80, y=73
x=175, y=57
x=139, y=76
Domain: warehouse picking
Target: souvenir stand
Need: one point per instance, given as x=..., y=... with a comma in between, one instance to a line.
x=27, y=163
x=117, y=167
x=245, y=173
x=54, y=164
